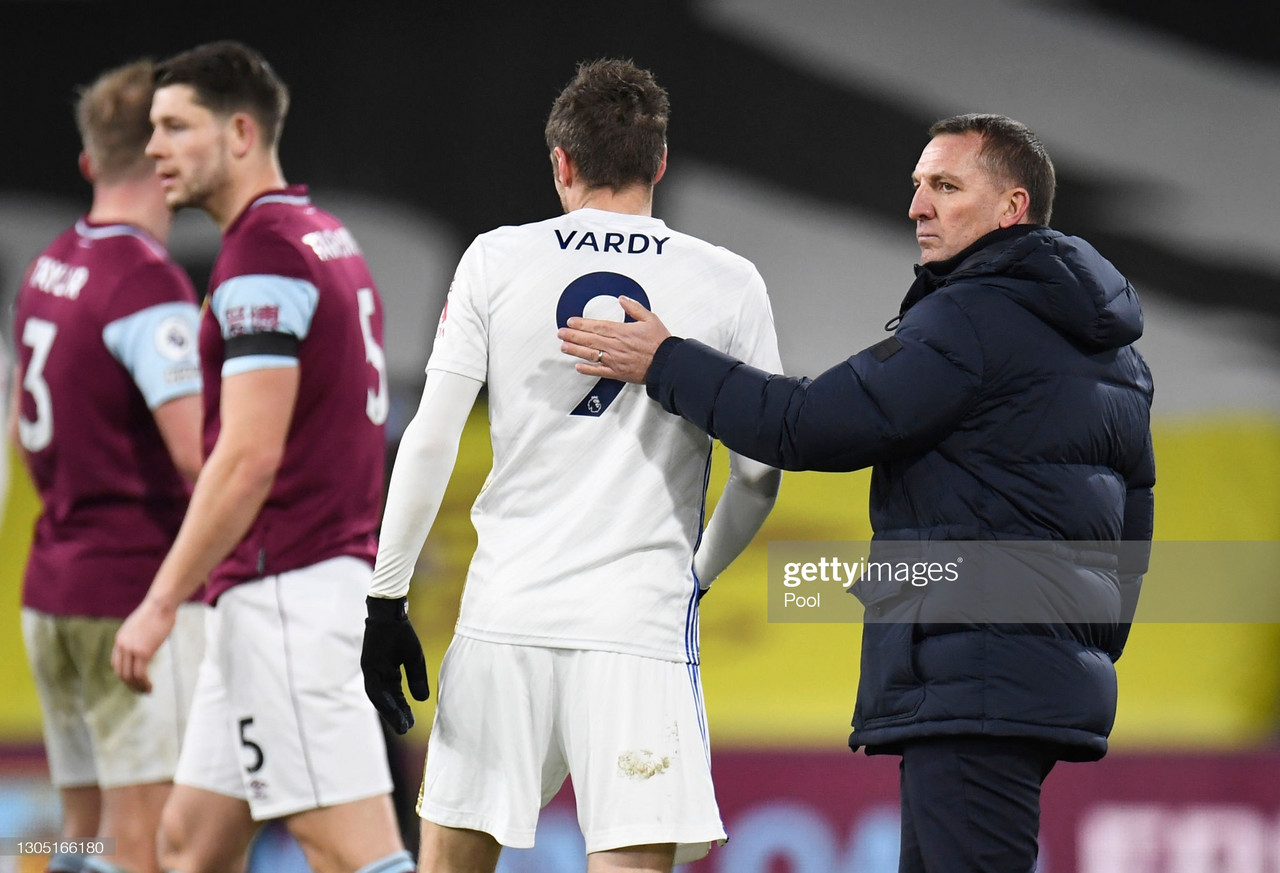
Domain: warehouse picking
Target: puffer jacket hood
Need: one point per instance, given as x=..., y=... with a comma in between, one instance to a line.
x=1073, y=288
x=1062, y=279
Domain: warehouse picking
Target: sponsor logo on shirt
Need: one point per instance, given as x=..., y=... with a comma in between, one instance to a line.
x=264, y=319
x=241, y=320
x=236, y=321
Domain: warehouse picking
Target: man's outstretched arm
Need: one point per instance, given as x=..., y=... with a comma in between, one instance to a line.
x=897, y=397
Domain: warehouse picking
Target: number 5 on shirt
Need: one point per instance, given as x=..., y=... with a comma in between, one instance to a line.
x=378, y=403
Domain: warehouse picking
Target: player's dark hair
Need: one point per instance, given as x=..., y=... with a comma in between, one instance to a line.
x=230, y=77
x=112, y=115
x=611, y=119
x=1013, y=154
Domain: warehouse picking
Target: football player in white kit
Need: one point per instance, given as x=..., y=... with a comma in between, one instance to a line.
x=576, y=650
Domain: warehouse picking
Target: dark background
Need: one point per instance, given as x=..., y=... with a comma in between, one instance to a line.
x=441, y=106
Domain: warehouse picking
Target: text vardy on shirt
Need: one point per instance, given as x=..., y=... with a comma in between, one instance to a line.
x=636, y=243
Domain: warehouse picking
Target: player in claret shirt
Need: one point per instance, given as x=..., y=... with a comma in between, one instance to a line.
x=282, y=522
x=107, y=416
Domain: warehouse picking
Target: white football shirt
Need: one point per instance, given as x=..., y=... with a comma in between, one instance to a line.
x=589, y=519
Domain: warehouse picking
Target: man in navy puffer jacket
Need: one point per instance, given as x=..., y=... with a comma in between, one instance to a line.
x=1009, y=405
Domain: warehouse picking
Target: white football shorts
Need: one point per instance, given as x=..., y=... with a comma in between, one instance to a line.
x=280, y=718
x=512, y=721
x=97, y=731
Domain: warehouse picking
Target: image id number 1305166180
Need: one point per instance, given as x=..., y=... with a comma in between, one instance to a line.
x=45, y=846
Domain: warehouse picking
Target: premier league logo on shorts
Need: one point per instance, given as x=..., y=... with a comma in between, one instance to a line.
x=594, y=406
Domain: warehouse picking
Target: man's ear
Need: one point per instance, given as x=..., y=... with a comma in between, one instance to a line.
x=86, y=167
x=662, y=167
x=565, y=171
x=243, y=133
x=1017, y=202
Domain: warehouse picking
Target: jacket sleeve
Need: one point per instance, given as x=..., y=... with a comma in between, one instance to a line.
x=894, y=398
x=1135, y=548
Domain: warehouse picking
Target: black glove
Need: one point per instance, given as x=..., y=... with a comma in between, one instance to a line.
x=389, y=642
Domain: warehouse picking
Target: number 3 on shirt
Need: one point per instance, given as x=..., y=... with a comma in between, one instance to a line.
x=37, y=335
x=573, y=302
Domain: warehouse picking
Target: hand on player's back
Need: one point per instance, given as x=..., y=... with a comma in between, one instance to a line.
x=612, y=349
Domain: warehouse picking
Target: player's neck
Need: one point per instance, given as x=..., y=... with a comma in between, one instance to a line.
x=136, y=202
x=632, y=200
x=242, y=188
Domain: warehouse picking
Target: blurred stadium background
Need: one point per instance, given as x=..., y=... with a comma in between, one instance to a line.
x=795, y=127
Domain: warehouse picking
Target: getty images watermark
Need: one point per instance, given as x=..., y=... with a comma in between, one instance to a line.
x=1020, y=581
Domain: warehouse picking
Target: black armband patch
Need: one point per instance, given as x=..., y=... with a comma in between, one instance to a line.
x=266, y=343
x=885, y=349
